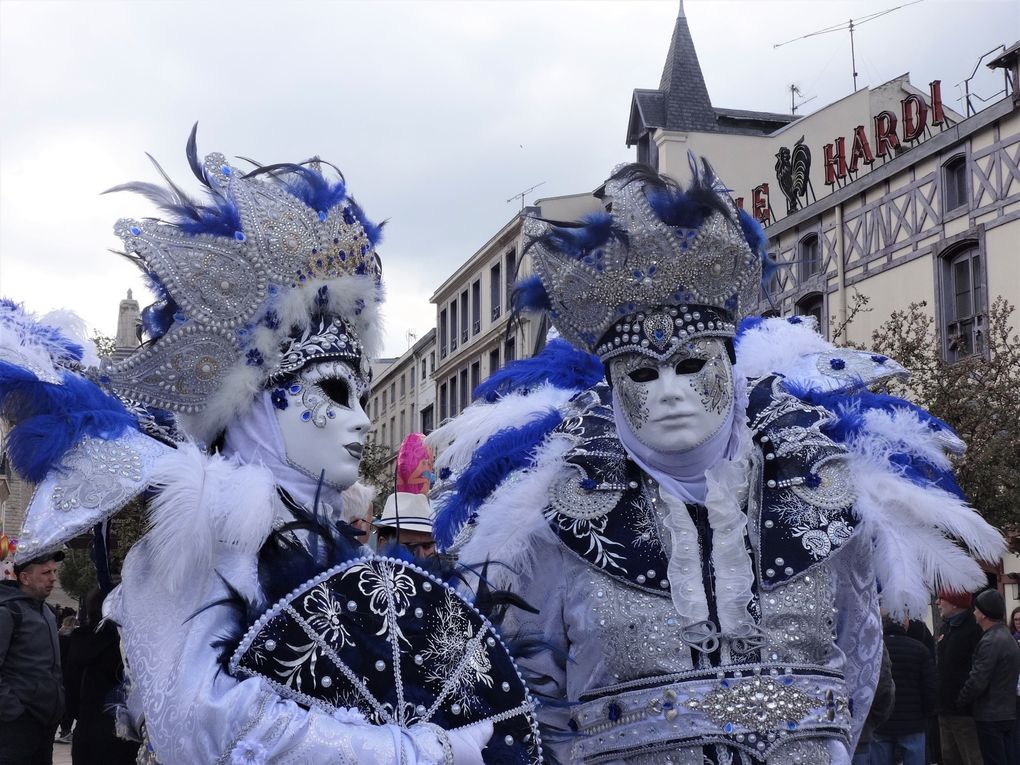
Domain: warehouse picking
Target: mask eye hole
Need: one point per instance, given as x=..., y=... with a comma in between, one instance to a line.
x=644, y=374
x=690, y=366
x=336, y=390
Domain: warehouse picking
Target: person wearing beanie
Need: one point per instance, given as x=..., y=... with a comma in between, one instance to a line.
x=957, y=639
x=990, y=688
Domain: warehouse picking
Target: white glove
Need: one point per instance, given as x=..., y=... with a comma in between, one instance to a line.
x=468, y=742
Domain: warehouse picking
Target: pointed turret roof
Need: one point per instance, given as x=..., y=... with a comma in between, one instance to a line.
x=681, y=101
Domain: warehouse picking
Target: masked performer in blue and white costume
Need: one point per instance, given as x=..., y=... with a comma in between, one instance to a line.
x=704, y=515
x=254, y=631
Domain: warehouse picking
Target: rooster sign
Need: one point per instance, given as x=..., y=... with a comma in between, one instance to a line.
x=793, y=171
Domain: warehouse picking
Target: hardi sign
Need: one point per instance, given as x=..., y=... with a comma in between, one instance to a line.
x=915, y=113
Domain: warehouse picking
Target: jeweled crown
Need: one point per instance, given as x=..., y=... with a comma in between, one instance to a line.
x=662, y=264
x=276, y=270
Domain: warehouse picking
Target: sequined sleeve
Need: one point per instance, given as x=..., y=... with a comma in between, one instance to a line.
x=543, y=585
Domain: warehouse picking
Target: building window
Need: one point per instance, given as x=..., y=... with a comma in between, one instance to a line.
x=813, y=305
x=393, y=434
x=385, y=442
x=427, y=423
x=476, y=372
x=463, y=316
x=510, y=350
x=453, y=396
x=493, y=360
x=410, y=378
x=465, y=391
x=403, y=386
x=403, y=424
x=442, y=402
x=424, y=369
x=393, y=393
x=453, y=326
x=442, y=334
x=511, y=274
x=432, y=362
x=476, y=307
x=375, y=407
x=954, y=182
x=495, y=288
x=810, y=257
x=963, y=303
x=411, y=418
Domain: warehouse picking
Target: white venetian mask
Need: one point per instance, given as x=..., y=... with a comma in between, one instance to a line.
x=322, y=417
x=675, y=405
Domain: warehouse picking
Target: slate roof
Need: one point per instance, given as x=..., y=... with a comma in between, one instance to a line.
x=682, y=103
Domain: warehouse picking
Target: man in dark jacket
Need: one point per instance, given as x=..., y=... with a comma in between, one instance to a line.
x=913, y=672
x=957, y=640
x=31, y=684
x=990, y=688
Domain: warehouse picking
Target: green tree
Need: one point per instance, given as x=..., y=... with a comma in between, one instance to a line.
x=978, y=396
x=375, y=470
x=77, y=573
x=105, y=345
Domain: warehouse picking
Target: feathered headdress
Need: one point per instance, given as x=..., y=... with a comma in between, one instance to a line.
x=275, y=269
x=663, y=264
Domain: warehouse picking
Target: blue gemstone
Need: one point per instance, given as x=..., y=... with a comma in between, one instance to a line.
x=878, y=359
x=837, y=363
x=659, y=334
x=322, y=216
x=225, y=169
x=724, y=683
x=787, y=680
x=135, y=230
x=239, y=236
x=728, y=728
x=294, y=389
x=613, y=711
x=791, y=725
x=795, y=320
x=306, y=416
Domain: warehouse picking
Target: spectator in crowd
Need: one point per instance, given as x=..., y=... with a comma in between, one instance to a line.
x=358, y=510
x=67, y=625
x=1014, y=623
x=412, y=527
x=990, y=688
x=957, y=640
x=913, y=672
x=31, y=685
x=95, y=674
x=881, y=706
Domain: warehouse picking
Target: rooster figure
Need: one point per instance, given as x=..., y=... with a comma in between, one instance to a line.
x=793, y=171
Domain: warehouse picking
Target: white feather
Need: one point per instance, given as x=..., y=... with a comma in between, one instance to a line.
x=513, y=514
x=456, y=441
x=73, y=327
x=903, y=501
x=203, y=502
x=776, y=345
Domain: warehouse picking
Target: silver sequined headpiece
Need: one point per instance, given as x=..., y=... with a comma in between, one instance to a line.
x=285, y=275
x=648, y=285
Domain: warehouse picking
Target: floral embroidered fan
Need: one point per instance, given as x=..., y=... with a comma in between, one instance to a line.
x=383, y=641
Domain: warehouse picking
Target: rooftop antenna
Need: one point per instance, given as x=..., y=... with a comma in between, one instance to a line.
x=411, y=336
x=523, y=193
x=794, y=92
x=850, y=25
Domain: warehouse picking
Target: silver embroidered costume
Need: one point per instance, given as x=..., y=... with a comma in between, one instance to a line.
x=738, y=627
x=253, y=629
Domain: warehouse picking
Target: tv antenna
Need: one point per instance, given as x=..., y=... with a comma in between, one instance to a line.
x=850, y=26
x=794, y=92
x=411, y=336
x=523, y=193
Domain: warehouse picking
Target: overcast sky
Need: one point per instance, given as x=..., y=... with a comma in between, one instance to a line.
x=437, y=112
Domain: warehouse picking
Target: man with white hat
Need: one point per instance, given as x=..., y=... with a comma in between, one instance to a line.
x=407, y=520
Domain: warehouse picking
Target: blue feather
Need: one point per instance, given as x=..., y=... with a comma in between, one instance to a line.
x=756, y=239
x=506, y=451
x=848, y=410
x=529, y=295
x=49, y=419
x=559, y=363
x=61, y=349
